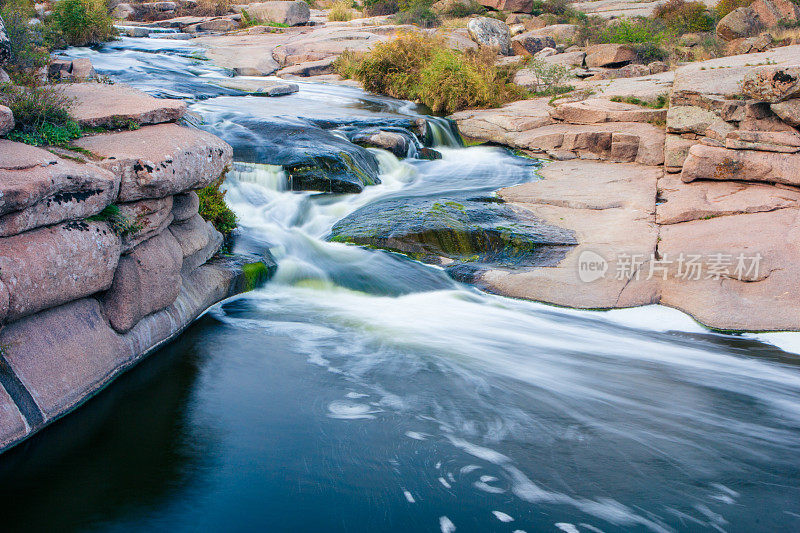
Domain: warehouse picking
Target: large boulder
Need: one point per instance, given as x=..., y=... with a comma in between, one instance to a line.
x=185, y=206
x=292, y=13
x=490, y=32
x=57, y=264
x=715, y=163
x=146, y=280
x=6, y=120
x=739, y=23
x=562, y=33
x=773, y=12
x=100, y=105
x=788, y=111
x=199, y=241
x=38, y=188
x=160, y=160
x=150, y=217
x=511, y=6
x=609, y=55
x=528, y=43
x=772, y=84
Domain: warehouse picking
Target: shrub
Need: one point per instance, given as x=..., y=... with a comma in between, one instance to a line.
x=82, y=22
x=634, y=30
x=28, y=51
x=550, y=79
x=417, y=13
x=213, y=8
x=465, y=9
x=341, y=10
x=214, y=209
x=681, y=16
x=419, y=67
x=724, y=7
x=377, y=8
x=116, y=219
x=41, y=115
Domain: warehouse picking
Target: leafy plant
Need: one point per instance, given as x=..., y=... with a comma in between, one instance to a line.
x=120, y=224
x=341, y=11
x=82, y=22
x=420, y=67
x=634, y=30
x=661, y=101
x=724, y=7
x=465, y=9
x=681, y=16
x=41, y=115
x=27, y=43
x=214, y=209
x=550, y=79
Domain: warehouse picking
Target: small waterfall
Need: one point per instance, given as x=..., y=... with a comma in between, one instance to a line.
x=271, y=177
x=442, y=132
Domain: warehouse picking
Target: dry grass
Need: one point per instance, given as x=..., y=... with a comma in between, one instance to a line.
x=341, y=11
x=213, y=8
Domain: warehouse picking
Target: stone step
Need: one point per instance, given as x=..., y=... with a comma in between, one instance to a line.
x=100, y=105
x=596, y=110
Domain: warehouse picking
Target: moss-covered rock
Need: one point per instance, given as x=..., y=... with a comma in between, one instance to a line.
x=464, y=230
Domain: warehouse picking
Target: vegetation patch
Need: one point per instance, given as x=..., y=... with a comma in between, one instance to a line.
x=117, y=221
x=550, y=79
x=82, y=22
x=41, y=115
x=680, y=16
x=341, y=11
x=421, y=68
x=661, y=101
x=214, y=209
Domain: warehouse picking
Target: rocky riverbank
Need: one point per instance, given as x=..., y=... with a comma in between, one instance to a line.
x=103, y=255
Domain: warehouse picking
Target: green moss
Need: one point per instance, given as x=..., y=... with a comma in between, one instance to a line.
x=214, y=209
x=255, y=275
x=119, y=223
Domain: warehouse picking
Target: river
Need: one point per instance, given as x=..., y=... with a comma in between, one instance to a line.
x=360, y=390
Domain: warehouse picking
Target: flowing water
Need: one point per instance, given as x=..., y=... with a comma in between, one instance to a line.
x=362, y=391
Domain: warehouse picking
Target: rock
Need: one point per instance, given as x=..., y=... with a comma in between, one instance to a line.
x=4, y=77
x=454, y=228
x=6, y=120
x=392, y=141
x=99, y=105
x=443, y=7
x=596, y=110
x=683, y=119
x=512, y=6
x=309, y=68
x=13, y=426
x=529, y=44
x=146, y=280
x=676, y=148
x=707, y=162
x=609, y=55
x=749, y=45
x=503, y=125
x=199, y=241
x=772, y=84
x=739, y=23
x=259, y=87
x=611, y=209
x=38, y=189
x=53, y=265
x=648, y=88
x=569, y=59
x=761, y=299
x=788, y=111
x=82, y=69
x=702, y=200
x=185, y=206
x=545, y=52
x=328, y=42
x=460, y=41
x=766, y=141
x=490, y=32
x=123, y=12
x=160, y=160
x=5, y=44
x=246, y=55
x=561, y=33
x=151, y=217
x=217, y=24
x=291, y=12
x=771, y=13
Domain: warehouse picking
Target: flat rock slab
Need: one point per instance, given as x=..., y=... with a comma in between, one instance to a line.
x=702, y=200
x=160, y=160
x=39, y=188
x=499, y=125
x=715, y=163
x=57, y=264
x=765, y=298
x=595, y=110
x=116, y=106
x=259, y=87
x=611, y=209
x=646, y=88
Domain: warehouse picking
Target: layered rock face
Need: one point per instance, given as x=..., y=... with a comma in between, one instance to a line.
x=102, y=259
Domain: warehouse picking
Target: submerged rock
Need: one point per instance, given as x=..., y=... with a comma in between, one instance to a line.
x=467, y=230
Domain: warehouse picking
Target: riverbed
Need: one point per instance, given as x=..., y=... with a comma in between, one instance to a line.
x=360, y=390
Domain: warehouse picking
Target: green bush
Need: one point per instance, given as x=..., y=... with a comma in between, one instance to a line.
x=214, y=209
x=41, y=115
x=550, y=79
x=465, y=9
x=377, y=8
x=634, y=30
x=724, y=7
x=28, y=50
x=82, y=22
x=680, y=16
x=119, y=223
x=419, y=67
x=419, y=16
